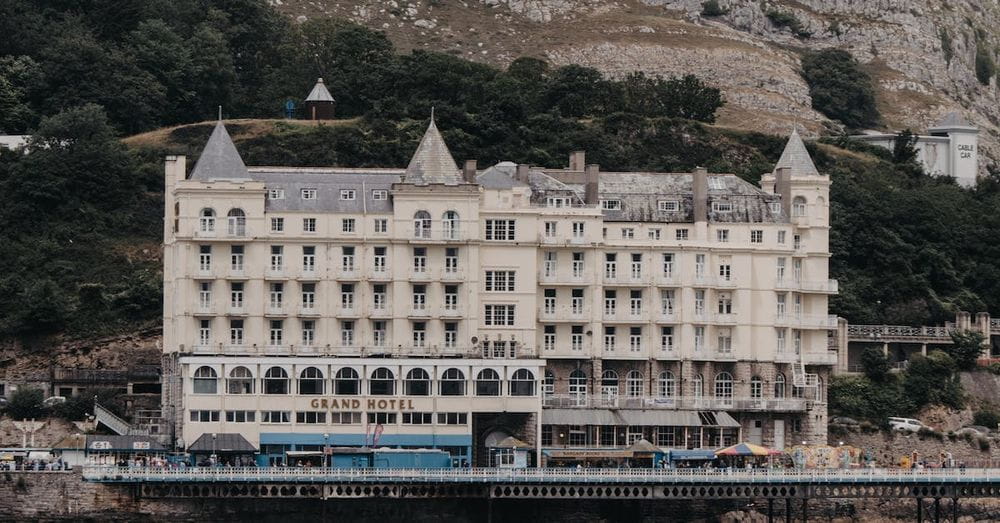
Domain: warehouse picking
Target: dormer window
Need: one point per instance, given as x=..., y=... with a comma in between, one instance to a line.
x=276, y=194
x=348, y=194
x=716, y=183
x=611, y=205
x=722, y=207
x=380, y=195
x=557, y=201
x=668, y=205
x=775, y=207
x=308, y=194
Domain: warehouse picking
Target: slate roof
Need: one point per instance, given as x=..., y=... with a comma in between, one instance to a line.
x=640, y=194
x=796, y=158
x=319, y=93
x=432, y=162
x=500, y=176
x=219, y=159
x=224, y=442
x=125, y=442
x=328, y=184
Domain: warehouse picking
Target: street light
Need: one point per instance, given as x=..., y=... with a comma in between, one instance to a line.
x=214, y=458
x=326, y=448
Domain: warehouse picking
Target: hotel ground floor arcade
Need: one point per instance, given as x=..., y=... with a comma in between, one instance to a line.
x=299, y=404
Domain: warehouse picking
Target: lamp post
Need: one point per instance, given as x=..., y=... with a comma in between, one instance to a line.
x=326, y=448
x=214, y=459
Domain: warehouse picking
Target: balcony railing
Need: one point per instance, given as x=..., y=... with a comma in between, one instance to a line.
x=822, y=286
x=820, y=358
x=674, y=403
x=890, y=332
x=439, y=234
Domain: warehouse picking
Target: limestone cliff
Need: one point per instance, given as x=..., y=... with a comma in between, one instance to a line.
x=922, y=53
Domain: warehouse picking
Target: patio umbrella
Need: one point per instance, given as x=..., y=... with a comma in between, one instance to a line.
x=746, y=449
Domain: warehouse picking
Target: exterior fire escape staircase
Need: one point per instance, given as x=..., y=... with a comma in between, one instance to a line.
x=116, y=424
x=802, y=379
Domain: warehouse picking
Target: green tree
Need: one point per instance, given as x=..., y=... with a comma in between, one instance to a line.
x=875, y=364
x=840, y=88
x=26, y=403
x=966, y=348
x=903, y=147
x=578, y=91
x=931, y=380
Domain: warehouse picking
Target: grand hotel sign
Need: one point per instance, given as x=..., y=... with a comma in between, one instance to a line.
x=357, y=403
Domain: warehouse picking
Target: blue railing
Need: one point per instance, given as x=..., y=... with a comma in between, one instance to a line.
x=535, y=475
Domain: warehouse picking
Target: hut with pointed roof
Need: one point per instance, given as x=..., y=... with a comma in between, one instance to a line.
x=319, y=103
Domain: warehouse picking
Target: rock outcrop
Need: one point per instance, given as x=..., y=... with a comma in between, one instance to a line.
x=922, y=53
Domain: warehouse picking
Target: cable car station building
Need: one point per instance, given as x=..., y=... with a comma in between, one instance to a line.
x=434, y=306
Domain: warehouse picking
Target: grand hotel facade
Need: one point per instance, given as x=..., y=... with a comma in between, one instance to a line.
x=447, y=307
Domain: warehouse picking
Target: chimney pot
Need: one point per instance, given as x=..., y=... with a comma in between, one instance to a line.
x=783, y=187
x=577, y=160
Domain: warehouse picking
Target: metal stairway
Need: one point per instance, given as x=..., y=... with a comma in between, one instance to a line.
x=802, y=379
x=116, y=424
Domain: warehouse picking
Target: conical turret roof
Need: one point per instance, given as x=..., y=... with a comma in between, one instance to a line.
x=432, y=162
x=796, y=158
x=319, y=93
x=219, y=158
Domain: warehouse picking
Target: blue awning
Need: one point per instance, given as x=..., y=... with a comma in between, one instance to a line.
x=681, y=455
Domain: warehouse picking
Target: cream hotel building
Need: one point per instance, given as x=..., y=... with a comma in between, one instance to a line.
x=437, y=306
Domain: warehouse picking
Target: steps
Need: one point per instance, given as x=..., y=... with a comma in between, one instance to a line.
x=116, y=424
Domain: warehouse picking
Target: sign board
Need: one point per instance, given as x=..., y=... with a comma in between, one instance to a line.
x=140, y=445
x=100, y=445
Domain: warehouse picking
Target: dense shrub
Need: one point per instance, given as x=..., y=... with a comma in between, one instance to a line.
x=25, y=403
x=986, y=418
x=712, y=8
x=986, y=68
x=789, y=20
x=966, y=348
x=840, y=88
x=875, y=364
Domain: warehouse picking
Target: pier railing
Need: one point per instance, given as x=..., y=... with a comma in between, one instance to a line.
x=534, y=475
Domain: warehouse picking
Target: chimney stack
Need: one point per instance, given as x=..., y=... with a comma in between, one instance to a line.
x=469, y=171
x=591, y=184
x=783, y=187
x=521, y=174
x=577, y=160
x=699, y=193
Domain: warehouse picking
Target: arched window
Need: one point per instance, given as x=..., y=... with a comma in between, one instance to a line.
x=522, y=383
x=798, y=206
x=666, y=385
x=311, y=381
x=453, y=383
x=240, y=381
x=382, y=382
x=237, y=222
x=633, y=384
x=578, y=384
x=609, y=381
x=698, y=386
x=206, y=220
x=487, y=383
x=276, y=381
x=450, y=224
x=417, y=383
x=347, y=382
x=422, y=224
x=779, y=386
x=206, y=381
x=549, y=384
x=724, y=385
x=756, y=387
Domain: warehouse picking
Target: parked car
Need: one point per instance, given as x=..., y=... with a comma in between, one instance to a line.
x=906, y=424
x=54, y=400
x=843, y=420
